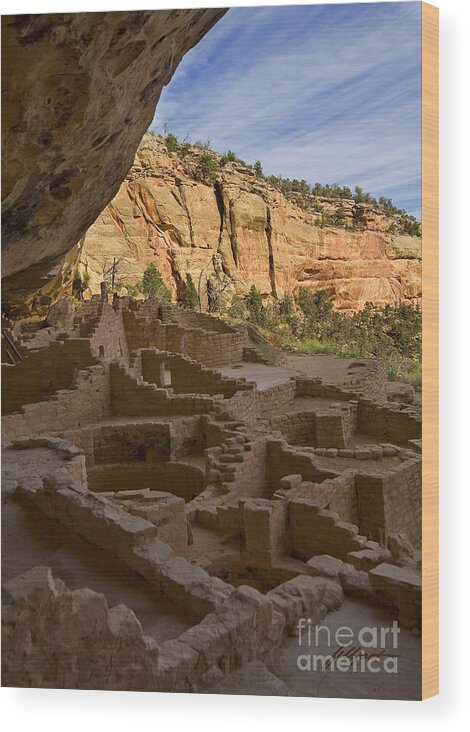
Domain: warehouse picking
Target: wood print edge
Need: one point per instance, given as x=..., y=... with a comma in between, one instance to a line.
x=430, y=288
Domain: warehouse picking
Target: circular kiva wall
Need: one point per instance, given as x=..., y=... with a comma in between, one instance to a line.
x=182, y=479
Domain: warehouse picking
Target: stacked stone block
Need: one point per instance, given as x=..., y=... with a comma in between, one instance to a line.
x=317, y=531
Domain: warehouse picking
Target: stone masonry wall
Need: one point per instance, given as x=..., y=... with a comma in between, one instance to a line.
x=75, y=640
x=130, y=397
x=337, y=494
x=319, y=427
x=191, y=319
x=141, y=441
x=165, y=510
x=247, y=405
x=391, y=502
x=207, y=347
x=123, y=443
x=43, y=372
x=394, y=422
x=108, y=338
x=235, y=625
x=188, y=376
x=144, y=333
x=365, y=379
x=89, y=401
x=284, y=460
x=214, y=349
x=239, y=467
x=131, y=539
x=403, y=501
x=317, y=531
x=182, y=479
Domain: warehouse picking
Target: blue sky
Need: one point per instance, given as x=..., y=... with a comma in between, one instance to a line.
x=328, y=93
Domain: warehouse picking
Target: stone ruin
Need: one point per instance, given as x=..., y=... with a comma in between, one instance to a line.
x=173, y=504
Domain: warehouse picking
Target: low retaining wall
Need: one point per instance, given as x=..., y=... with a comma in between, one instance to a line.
x=319, y=427
x=187, y=376
x=131, y=539
x=89, y=401
x=164, y=510
x=44, y=372
x=246, y=406
x=182, y=479
x=205, y=346
x=396, y=423
x=131, y=397
x=126, y=442
x=335, y=494
x=316, y=531
x=282, y=460
x=364, y=379
x=237, y=625
x=78, y=642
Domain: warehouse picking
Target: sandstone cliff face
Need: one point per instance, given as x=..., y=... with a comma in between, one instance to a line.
x=239, y=231
x=78, y=92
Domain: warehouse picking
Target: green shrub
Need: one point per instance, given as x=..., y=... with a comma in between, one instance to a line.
x=171, y=142
x=258, y=168
x=184, y=150
x=314, y=305
x=311, y=325
x=190, y=299
x=254, y=304
x=411, y=226
x=206, y=168
x=287, y=305
x=153, y=285
x=237, y=309
x=339, y=216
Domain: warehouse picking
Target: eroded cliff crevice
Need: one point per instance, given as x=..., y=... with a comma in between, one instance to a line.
x=219, y=198
x=183, y=203
x=241, y=231
x=233, y=231
x=272, y=267
x=118, y=220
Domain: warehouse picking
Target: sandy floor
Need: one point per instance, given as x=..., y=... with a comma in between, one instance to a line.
x=405, y=684
x=30, y=539
x=368, y=466
x=331, y=369
x=264, y=376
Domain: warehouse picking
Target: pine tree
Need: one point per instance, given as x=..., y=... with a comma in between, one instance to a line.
x=258, y=168
x=153, y=285
x=254, y=303
x=190, y=300
x=206, y=168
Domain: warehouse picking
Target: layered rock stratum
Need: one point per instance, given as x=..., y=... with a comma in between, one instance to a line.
x=78, y=92
x=239, y=230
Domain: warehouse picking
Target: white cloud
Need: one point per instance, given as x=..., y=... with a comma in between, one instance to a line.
x=321, y=96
